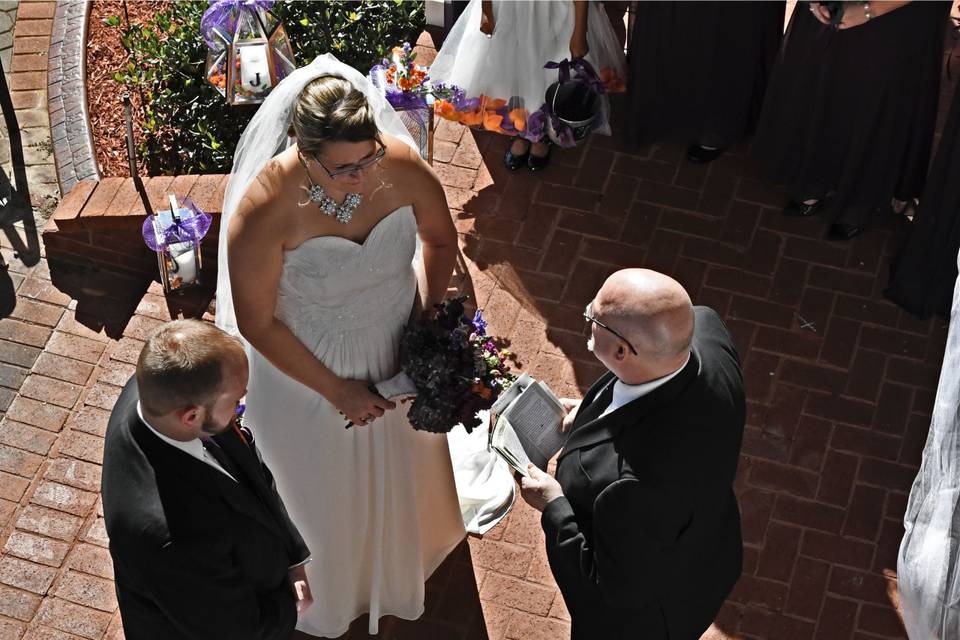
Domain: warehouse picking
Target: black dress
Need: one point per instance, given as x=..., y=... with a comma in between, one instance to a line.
x=852, y=112
x=923, y=273
x=698, y=70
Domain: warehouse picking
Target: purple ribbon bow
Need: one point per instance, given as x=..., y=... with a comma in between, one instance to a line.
x=189, y=226
x=222, y=15
x=584, y=73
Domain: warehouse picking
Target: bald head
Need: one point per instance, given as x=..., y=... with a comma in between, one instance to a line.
x=652, y=310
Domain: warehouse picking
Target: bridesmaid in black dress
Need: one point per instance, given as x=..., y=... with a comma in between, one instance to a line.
x=924, y=272
x=850, y=112
x=698, y=71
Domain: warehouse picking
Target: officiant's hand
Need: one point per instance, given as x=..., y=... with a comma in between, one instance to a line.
x=358, y=404
x=540, y=489
x=301, y=588
x=571, y=407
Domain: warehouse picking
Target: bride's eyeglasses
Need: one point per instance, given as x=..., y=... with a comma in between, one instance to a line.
x=354, y=169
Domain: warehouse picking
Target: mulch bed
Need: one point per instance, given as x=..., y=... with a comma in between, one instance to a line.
x=105, y=56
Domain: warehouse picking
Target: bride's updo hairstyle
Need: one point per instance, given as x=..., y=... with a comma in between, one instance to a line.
x=332, y=109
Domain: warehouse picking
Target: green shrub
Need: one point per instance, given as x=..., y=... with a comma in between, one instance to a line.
x=188, y=126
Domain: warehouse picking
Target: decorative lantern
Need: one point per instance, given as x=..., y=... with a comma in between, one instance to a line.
x=408, y=89
x=175, y=235
x=249, y=51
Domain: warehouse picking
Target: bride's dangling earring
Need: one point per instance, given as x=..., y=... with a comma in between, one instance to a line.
x=343, y=212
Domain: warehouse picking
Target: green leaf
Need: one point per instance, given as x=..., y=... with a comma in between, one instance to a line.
x=112, y=21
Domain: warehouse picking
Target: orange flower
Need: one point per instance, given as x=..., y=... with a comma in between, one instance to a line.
x=446, y=110
x=491, y=103
x=519, y=119
x=472, y=118
x=611, y=81
x=492, y=121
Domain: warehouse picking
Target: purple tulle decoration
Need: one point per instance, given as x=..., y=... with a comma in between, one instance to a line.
x=191, y=225
x=222, y=15
x=537, y=127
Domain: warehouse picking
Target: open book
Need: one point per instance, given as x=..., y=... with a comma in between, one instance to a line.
x=525, y=424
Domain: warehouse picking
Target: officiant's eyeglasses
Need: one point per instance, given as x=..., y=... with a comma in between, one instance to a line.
x=354, y=168
x=587, y=315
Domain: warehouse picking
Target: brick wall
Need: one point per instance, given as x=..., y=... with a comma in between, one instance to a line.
x=98, y=223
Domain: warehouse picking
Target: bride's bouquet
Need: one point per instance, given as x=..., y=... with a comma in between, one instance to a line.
x=455, y=367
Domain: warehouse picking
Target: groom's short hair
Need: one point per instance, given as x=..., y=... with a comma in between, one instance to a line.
x=182, y=365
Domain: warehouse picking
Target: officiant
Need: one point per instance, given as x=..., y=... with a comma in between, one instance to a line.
x=641, y=523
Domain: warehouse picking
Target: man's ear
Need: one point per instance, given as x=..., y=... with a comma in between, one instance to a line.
x=191, y=418
x=621, y=354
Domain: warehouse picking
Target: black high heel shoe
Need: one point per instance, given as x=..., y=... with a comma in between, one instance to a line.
x=513, y=161
x=699, y=154
x=799, y=209
x=843, y=231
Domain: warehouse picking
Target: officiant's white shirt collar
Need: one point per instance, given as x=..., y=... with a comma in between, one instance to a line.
x=626, y=393
x=192, y=448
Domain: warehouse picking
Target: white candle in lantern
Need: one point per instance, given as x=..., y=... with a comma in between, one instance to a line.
x=185, y=259
x=254, y=68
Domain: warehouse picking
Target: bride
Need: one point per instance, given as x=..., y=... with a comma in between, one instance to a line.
x=320, y=223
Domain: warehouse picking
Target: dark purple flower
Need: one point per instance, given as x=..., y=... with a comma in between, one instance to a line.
x=479, y=324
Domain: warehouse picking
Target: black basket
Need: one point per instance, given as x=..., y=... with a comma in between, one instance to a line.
x=575, y=104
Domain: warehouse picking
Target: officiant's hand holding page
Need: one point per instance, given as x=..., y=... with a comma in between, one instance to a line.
x=528, y=429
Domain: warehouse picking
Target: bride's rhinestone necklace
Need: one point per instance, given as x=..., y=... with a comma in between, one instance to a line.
x=343, y=212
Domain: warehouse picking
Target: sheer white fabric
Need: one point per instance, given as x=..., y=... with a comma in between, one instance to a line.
x=526, y=36
x=927, y=572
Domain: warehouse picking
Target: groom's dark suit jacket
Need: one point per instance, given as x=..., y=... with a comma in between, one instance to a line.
x=196, y=555
x=646, y=542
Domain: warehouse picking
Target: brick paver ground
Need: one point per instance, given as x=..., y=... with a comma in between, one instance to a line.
x=840, y=387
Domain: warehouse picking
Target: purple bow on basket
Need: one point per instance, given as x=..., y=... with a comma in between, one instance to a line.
x=222, y=16
x=584, y=73
x=189, y=226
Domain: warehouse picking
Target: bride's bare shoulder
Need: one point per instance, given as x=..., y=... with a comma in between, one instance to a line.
x=408, y=171
x=265, y=203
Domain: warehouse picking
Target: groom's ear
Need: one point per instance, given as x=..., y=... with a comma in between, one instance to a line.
x=191, y=418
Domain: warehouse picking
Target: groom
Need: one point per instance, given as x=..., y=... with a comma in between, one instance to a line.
x=201, y=543
x=643, y=529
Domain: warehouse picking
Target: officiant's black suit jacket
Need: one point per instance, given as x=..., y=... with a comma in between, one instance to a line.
x=195, y=555
x=646, y=542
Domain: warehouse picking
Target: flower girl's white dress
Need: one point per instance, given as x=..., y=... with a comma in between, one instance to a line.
x=504, y=77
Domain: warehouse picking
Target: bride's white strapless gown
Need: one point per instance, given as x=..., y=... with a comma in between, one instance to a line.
x=376, y=504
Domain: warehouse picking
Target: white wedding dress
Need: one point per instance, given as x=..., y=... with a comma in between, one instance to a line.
x=376, y=504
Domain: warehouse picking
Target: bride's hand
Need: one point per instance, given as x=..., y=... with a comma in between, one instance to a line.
x=358, y=404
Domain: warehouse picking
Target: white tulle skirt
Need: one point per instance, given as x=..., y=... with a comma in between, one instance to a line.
x=506, y=71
